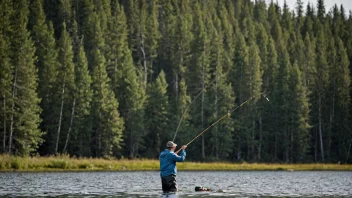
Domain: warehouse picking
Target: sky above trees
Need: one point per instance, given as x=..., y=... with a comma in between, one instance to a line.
x=347, y=4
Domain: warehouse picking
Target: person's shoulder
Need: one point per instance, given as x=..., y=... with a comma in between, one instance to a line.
x=164, y=153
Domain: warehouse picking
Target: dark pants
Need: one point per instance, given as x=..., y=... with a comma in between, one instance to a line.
x=169, y=183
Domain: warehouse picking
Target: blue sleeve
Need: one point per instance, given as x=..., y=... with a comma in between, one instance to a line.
x=177, y=158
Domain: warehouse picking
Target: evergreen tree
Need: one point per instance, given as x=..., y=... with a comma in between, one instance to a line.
x=127, y=85
x=319, y=95
x=157, y=109
x=221, y=96
x=167, y=46
x=24, y=135
x=185, y=130
x=299, y=129
x=198, y=71
x=268, y=118
x=341, y=112
x=320, y=10
x=237, y=80
x=64, y=93
x=47, y=64
x=81, y=128
x=107, y=125
x=93, y=37
x=253, y=83
x=308, y=68
x=282, y=108
x=308, y=22
x=6, y=77
x=208, y=51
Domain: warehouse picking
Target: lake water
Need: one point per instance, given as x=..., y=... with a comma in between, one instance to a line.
x=148, y=184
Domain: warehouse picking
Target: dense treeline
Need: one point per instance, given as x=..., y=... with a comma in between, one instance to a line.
x=114, y=77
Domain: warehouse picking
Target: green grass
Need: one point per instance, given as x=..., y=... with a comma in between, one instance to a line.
x=65, y=163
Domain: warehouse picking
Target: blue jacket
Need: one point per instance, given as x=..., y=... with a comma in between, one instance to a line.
x=168, y=161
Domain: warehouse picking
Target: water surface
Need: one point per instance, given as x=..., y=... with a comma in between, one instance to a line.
x=148, y=184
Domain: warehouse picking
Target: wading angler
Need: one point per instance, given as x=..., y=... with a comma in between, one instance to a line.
x=168, y=169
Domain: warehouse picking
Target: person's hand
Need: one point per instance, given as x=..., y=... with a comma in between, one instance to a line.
x=184, y=147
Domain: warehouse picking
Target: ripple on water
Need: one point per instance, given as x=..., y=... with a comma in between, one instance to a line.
x=147, y=184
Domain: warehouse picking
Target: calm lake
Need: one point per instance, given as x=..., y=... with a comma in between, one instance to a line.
x=147, y=184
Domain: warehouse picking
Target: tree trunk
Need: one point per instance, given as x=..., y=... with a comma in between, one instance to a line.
x=60, y=118
x=216, y=115
x=12, y=111
x=253, y=140
x=320, y=129
x=332, y=112
x=239, y=149
x=348, y=153
x=260, y=136
x=275, y=148
x=316, y=144
x=202, y=112
x=286, y=143
x=144, y=66
x=70, y=128
x=291, y=142
x=4, y=137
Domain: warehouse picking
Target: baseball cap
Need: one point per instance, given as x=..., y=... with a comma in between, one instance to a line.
x=170, y=144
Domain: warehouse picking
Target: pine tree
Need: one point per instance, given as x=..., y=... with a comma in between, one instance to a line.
x=308, y=22
x=157, y=109
x=320, y=10
x=321, y=79
x=308, y=68
x=107, y=125
x=184, y=131
x=282, y=108
x=6, y=77
x=341, y=124
x=269, y=116
x=299, y=129
x=227, y=26
x=237, y=80
x=47, y=64
x=51, y=9
x=93, y=37
x=253, y=78
x=262, y=42
x=143, y=34
x=198, y=71
x=81, y=128
x=65, y=86
x=221, y=95
x=24, y=135
x=167, y=46
x=127, y=85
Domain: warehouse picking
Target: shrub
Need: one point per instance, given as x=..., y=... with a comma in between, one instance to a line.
x=16, y=163
x=61, y=164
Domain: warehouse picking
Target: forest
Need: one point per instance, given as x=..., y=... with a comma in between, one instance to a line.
x=119, y=78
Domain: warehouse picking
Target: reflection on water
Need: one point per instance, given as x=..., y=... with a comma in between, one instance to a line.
x=148, y=184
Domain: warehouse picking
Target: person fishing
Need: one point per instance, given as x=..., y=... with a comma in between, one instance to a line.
x=168, y=169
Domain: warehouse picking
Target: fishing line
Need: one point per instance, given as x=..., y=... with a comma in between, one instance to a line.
x=226, y=115
x=184, y=112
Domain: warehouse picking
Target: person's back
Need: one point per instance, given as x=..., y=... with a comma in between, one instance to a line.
x=168, y=161
x=168, y=170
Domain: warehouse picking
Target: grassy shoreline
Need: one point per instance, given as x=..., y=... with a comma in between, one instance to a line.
x=65, y=163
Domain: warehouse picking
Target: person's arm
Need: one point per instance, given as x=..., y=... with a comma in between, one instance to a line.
x=177, y=158
x=182, y=156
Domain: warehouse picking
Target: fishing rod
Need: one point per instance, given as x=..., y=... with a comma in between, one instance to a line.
x=226, y=115
x=184, y=112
